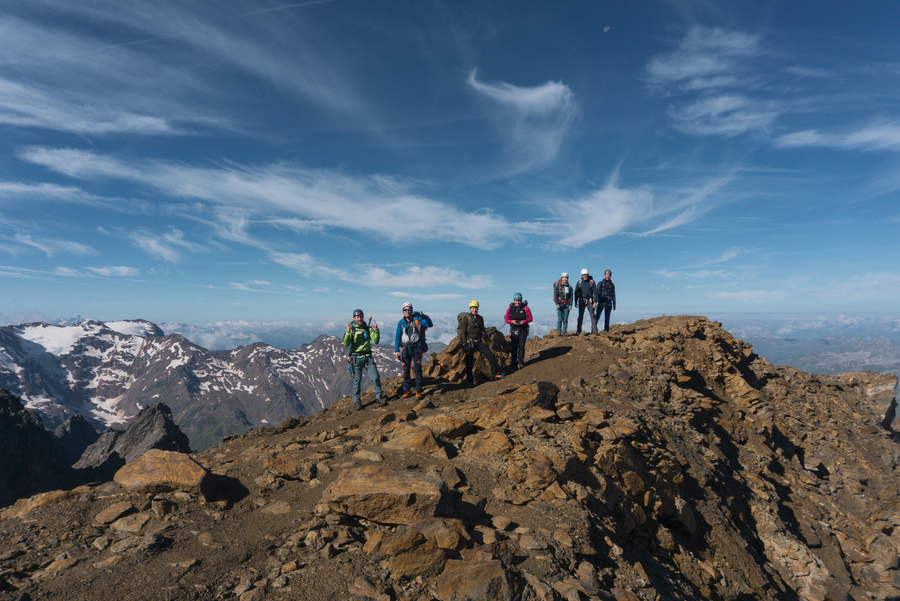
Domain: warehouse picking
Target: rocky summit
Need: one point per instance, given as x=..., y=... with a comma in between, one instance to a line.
x=660, y=460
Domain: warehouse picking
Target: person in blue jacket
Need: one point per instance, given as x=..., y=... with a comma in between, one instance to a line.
x=409, y=345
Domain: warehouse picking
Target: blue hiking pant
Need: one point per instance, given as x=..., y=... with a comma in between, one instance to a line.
x=361, y=363
x=562, y=320
x=605, y=305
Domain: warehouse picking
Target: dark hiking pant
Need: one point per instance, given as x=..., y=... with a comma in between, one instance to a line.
x=582, y=305
x=411, y=358
x=362, y=363
x=605, y=305
x=470, y=362
x=517, y=337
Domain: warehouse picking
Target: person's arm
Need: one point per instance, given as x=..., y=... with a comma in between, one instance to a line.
x=426, y=321
x=527, y=319
x=613, y=295
x=376, y=333
x=397, y=337
x=506, y=317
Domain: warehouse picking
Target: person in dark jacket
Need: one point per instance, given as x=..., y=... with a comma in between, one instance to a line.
x=518, y=316
x=471, y=334
x=584, y=299
x=605, y=298
x=408, y=346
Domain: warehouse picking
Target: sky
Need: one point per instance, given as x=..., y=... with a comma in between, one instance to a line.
x=271, y=162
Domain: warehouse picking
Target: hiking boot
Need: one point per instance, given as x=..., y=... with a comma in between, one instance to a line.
x=496, y=376
x=418, y=395
x=521, y=366
x=406, y=394
x=380, y=402
x=358, y=405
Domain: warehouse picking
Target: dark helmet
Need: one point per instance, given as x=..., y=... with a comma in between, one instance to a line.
x=358, y=312
x=517, y=296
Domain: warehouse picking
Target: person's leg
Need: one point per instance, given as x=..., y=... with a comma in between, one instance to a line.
x=514, y=346
x=607, y=309
x=468, y=376
x=405, y=372
x=565, y=320
x=593, y=321
x=376, y=379
x=523, y=337
x=492, y=361
x=417, y=365
x=580, y=316
x=559, y=322
x=357, y=381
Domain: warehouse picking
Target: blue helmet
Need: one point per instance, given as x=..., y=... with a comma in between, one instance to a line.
x=517, y=296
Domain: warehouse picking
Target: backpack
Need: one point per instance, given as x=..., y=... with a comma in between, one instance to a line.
x=417, y=327
x=558, y=295
x=464, y=320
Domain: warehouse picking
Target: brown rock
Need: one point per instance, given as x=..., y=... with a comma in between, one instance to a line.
x=23, y=507
x=114, y=512
x=162, y=471
x=387, y=496
x=489, y=442
x=446, y=533
x=425, y=561
x=290, y=466
x=476, y=580
x=445, y=425
x=132, y=523
x=420, y=440
x=513, y=404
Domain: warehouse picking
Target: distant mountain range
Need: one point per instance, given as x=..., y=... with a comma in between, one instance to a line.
x=108, y=372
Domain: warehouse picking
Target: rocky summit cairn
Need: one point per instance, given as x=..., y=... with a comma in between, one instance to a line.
x=660, y=460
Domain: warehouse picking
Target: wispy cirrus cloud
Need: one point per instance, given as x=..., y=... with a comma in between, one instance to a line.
x=408, y=276
x=115, y=271
x=168, y=246
x=877, y=135
x=705, y=57
x=53, y=247
x=535, y=122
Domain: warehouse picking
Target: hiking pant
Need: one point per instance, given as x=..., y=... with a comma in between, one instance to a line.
x=582, y=305
x=360, y=363
x=411, y=357
x=470, y=362
x=605, y=304
x=562, y=320
x=517, y=337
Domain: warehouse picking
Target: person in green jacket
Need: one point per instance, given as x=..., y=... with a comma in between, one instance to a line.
x=360, y=338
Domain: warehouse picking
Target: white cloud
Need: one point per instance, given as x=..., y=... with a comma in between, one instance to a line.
x=424, y=297
x=878, y=135
x=418, y=277
x=52, y=247
x=535, y=121
x=702, y=54
x=751, y=295
x=166, y=246
x=114, y=271
x=725, y=115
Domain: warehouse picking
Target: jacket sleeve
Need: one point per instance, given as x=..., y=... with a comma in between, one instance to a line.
x=506, y=317
x=527, y=315
x=348, y=337
x=397, y=336
x=376, y=335
x=426, y=321
x=614, y=295
x=578, y=293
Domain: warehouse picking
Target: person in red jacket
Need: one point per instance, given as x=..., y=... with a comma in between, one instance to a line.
x=518, y=316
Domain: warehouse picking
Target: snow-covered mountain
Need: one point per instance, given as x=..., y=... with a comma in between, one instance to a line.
x=108, y=372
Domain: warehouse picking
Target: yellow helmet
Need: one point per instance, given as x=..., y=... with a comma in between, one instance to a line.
x=474, y=303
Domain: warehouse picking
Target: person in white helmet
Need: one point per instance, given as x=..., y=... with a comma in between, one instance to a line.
x=470, y=331
x=584, y=299
x=563, y=294
x=408, y=346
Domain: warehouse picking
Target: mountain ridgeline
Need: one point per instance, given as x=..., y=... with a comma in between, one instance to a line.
x=108, y=372
x=663, y=460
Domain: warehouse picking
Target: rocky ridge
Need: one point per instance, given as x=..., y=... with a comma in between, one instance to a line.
x=661, y=460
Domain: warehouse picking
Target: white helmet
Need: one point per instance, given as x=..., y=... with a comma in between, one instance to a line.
x=585, y=272
x=565, y=274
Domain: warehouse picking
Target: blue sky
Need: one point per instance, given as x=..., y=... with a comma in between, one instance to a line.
x=272, y=161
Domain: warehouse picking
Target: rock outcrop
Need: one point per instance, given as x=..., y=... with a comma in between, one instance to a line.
x=152, y=428
x=29, y=460
x=73, y=436
x=661, y=460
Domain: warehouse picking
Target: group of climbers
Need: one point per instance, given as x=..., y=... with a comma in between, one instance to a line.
x=597, y=299
x=410, y=344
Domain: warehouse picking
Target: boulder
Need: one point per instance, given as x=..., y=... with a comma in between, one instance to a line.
x=388, y=496
x=163, y=471
x=476, y=580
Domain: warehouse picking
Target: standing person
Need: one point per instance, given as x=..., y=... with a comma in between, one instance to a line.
x=584, y=299
x=408, y=346
x=518, y=316
x=562, y=296
x=471, y=333
x=605, y=298
x=360, y=338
